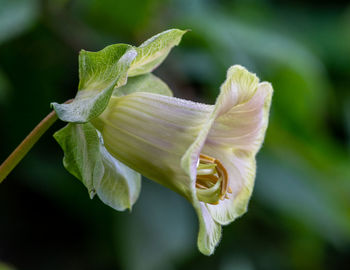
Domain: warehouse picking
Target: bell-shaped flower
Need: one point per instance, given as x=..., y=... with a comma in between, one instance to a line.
x=206, y=153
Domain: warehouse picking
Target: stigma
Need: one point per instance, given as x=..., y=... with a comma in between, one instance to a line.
x=212, y=180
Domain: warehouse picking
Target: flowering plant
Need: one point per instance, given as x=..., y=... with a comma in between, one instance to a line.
x=124, y=122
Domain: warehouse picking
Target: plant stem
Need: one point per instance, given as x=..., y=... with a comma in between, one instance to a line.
x=18, y=154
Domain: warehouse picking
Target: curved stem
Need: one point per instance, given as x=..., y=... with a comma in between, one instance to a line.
x=18, y=154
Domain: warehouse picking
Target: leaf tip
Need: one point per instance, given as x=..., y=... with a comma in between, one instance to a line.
x=92, y=193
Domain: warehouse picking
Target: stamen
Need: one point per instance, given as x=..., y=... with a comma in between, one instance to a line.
x=206, y=166
x=222, y=171
x=200, y=186
x=205, y=158
x=210, y=177
x=212, y=180
x=205, y=183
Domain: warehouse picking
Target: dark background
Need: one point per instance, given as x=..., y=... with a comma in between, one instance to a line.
x=299, y=215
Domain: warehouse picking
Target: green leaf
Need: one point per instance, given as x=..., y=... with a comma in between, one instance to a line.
x=153, y=51
x=80, y=144
x=100, y=72
x=120, y=186
x=87, y=159
x=144, y=83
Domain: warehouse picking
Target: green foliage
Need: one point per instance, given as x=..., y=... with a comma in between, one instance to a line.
x=153, y=51
x=87, y=159
x=101, y=72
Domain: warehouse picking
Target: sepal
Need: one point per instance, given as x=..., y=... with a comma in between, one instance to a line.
x=87, y=159
x=100, y=72
x=105, y=71
x=153, y=51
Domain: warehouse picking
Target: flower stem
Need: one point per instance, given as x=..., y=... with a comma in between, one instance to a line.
x=18, y=154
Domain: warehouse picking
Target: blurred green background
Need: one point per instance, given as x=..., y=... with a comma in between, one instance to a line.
x=299, y=215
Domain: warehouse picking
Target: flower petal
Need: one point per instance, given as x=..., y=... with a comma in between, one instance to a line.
x=150, y=132
x=243, y=126
x=239, y=87
x=209, y=230
x=162, y=137
x=241, y=172
x=234, y=139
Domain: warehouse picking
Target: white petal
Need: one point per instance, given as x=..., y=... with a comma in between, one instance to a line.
x=150, y=133
x=238, y=119
x=238, y=88
x=162, y=137
x=209, y=231
x=234, y=139
x=241, y=172
x=243, y=126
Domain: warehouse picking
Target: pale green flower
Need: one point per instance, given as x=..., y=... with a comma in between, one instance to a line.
x=206, y=153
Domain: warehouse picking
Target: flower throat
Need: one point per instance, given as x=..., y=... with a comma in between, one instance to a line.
x=212, y=180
